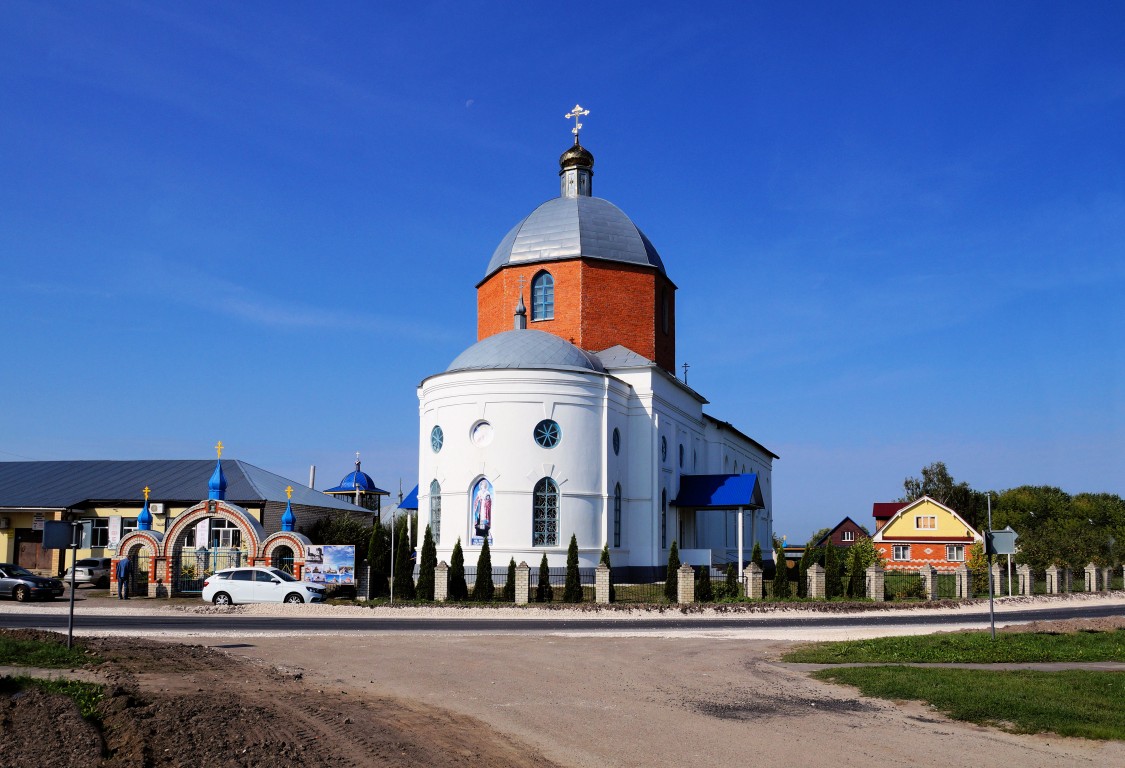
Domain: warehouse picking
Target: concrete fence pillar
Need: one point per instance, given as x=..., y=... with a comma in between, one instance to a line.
x=1107, y=578
x=441, y=582
x=523, y=583
x=1026, y=580
x=601, y=584
x=752, y=578
x=1091, y=578
x=998, y=574
x=929, y=581
x=814, y=582
x=685, y=584
x=964, y=579
x=1053, y=580
x=875, y=583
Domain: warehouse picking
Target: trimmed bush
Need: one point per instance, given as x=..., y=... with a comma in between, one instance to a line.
x=379, y=558
x=572, y=593
x=756, y=555
x=672, y=580
x=781, y=576
x=544, y=592
x=483, y=589
x=510, y=583
x=832, y=584
x=703, y=591
x=404, y=565
x=426, y=567
x=458, y=588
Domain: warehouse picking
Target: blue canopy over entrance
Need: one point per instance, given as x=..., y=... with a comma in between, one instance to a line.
x=719, y=492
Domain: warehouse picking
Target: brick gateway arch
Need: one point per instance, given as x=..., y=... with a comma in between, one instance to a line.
x=163, y=567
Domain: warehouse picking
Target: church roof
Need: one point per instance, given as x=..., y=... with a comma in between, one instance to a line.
x=360, y=480
x=525, y=349
x=65, y=484
x=572, y=227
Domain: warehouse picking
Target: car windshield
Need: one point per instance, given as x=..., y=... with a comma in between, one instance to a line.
x=16, y=572
x=281, y=574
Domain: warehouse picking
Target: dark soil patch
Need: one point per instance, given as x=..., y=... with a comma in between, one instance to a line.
x=182, y=705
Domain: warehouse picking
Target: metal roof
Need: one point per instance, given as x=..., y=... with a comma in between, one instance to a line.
x=360, y=480
x=65, y=484
x=719, y=492
x=573, y=227
x=411, y=500
x=619, y=356
x=525, y=349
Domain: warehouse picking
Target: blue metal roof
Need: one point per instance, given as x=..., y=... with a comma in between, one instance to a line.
x=411, y=500
x=360, y=480
x=65, y=484
x=719, y=492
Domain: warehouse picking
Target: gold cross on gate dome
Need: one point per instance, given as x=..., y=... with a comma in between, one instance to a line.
x=146, y=493
x=574, y=114
x=288, y=491
x=219, y=448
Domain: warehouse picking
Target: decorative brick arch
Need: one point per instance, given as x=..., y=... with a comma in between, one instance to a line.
x=297, y=543
x=150, y=542
x=252, y=530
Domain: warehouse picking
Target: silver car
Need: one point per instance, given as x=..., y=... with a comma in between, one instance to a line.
x=90, y=570
x=22, y=585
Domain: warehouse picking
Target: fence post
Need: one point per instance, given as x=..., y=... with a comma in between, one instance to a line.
x=1026, y=580
x=1091, y=578
x=1107, y=578
x=1052, y=579
x=814, y=582
x=964, y=582
x=601, y=583
x=929, y=581
x=875, y=590
x=998, y=575
x=523, y=583
x=752, y=578
x=441, y=582
x=685, y=586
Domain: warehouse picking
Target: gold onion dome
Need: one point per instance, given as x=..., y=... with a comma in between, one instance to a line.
x=576, y=156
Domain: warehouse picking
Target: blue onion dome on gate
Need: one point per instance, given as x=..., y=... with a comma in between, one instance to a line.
x=525, y=349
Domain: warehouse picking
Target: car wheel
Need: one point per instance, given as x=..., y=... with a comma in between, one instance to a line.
x=222, y=598
x=22, y=594
x=294, y=598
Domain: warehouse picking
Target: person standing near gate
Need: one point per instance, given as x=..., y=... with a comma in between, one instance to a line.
x=124, y=573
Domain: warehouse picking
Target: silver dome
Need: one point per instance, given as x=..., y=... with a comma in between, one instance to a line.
x=569, y=227
x=525, y=349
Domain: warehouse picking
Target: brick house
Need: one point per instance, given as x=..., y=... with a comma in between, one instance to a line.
x=912, y=534
x=846, y=533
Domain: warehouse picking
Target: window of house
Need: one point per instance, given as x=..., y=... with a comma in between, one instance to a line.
x=617, y=515
x=225, y=533
x=128, y=525
x=100, y=534
x=543, y=297
x=545, y=514
x=849, y=536
x=925, y=522
x=901, y=552
x=955, y=553
x=664, y=519
x=435, y=511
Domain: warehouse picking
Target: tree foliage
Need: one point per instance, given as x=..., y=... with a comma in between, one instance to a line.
x=808, y=557
x=341, y=527
x=404, y=563
x=483, y=588
x=703, y=591
x=672, y=579
x=379, y=558
x=780, y=575
x=427, y=566
x=939, y=485
x=544, y=592
x=458, y=587
x=572, y=591
x=510, y=583
x=606, y=563
x=756, y=555
x=861, y=555
x=833, y=585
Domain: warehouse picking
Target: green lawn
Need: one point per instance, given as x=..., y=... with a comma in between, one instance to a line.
x=37, y=653
x=969, y=647
x=1072, y=703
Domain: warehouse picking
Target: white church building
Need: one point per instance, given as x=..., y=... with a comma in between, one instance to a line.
x=566, y=417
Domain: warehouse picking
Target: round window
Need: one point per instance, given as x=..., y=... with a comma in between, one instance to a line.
x=547, y=433
x=481, y=433
x=437, y=438
x=616, y=441
x=663, y=449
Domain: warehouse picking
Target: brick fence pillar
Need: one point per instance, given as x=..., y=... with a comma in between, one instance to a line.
x=1107, y=578
x=441, y=582
x=752, y=580
x=875, y=589
x=929, y=581
x=814, y=582
x=1026, y=580
x=964, y=582
x=998, y=578
x=1052, y=580
x=1091, y=578
x=523, y=583
x=601, y=584
x=685, y=584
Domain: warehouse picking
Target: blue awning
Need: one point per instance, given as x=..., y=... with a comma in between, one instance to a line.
x=411, y=500
x=719, y=492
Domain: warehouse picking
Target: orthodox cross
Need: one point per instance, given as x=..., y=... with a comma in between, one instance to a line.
x=288, y=491
x=686, y=366
x=574, y=114
x=219, y=448
x=146, y=493
x=521, y=284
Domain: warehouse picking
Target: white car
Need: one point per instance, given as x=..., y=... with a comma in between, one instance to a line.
x=258, y=585
x=90, y=570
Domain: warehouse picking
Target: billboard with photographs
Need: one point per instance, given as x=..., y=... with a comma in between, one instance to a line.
x=330, y=564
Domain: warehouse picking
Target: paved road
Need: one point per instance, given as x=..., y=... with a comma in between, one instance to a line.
x=212, y=623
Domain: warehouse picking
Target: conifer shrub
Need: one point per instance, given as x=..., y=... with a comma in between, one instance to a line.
x=404, y=564
x=857, y=586
x=572, y=592
x=703, y=591
x=483, y=588
x=781, y=576
x=833, y=585
x=379, y=558
x=731, y=585
x=458, y=588
x=606, y=563
x=807, y=559
x=427, y=567
x=672, y=580
x=544, y=592
x=756, y=555
x=510, y=583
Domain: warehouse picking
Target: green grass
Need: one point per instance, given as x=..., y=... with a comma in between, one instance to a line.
x=86, y=695
x=1079, y=703
x=969, y=647
x=38, y=653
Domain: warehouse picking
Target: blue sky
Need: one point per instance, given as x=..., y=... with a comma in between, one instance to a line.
x=898, y=229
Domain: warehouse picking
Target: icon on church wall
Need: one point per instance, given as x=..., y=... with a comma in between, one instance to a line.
x=481, y=517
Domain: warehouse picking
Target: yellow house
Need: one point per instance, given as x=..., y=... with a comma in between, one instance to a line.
x=912, y=534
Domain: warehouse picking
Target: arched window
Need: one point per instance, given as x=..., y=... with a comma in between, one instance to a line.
x=543, y=297
x=664, y=519
x=617, y=516
x=545, y=514
x=435, y=511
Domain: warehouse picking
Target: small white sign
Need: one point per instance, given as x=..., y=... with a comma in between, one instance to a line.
x=114, y=531
x=37, y=522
